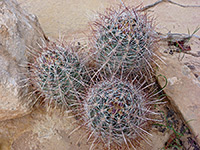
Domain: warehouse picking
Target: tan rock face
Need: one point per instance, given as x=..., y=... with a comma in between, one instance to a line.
x=183, y=91
x=17, y=32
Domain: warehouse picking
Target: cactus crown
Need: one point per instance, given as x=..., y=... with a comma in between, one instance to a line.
x=116, y=112
x=123, y=39
x=56, y=74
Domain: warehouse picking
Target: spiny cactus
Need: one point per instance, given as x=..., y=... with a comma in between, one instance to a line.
x=56, y=74
x=117, y=112
x=123, y=40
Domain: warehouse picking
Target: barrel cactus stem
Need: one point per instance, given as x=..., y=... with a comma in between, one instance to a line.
x=56, y=74
x=118, y=113
x=123, y=40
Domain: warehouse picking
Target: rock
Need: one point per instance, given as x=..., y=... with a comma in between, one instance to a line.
x=192, y=58
x=18, y=30
x=48, y=131
x=183, y=91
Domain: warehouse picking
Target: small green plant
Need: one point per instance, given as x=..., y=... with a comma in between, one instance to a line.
x=181, y=44
x=174, y=139
x=193, y=33
x=56, y=74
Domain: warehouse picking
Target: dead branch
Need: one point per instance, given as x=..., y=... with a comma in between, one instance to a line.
x=151, y=5
x=184, y=6
x=176, y=36
x=173, y=36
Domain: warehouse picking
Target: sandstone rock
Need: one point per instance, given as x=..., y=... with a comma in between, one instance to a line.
x=192, y=58
x=18, y=31
x=183, y=91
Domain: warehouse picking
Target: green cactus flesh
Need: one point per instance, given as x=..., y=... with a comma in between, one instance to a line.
x=123, y=39
x=56, y=74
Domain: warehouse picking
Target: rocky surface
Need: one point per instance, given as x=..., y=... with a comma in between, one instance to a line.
x=18, y=30
x=192, y=58
x=183, y=88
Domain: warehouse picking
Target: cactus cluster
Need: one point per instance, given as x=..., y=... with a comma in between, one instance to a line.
x=123, y=41
x=115, y=108
x=116, y=112
x=56, y=74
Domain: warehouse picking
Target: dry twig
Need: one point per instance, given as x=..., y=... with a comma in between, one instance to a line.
x=151, y=5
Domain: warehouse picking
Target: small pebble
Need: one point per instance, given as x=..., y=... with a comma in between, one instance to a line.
x=165, y=51
x=191, y=67
x=171, y=52
x=196, y=75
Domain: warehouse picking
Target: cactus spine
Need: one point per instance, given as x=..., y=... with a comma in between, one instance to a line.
x=56, y=74
x=123, y=41
x=117, y=112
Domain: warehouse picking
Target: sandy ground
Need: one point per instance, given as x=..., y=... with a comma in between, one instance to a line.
x=71, y=17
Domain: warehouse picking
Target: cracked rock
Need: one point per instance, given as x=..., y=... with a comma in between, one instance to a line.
x=18, y=30
x=184, y=94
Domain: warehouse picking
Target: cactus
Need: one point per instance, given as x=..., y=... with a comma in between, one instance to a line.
x=56, y=74
x=117, y=112
x=123, y=40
